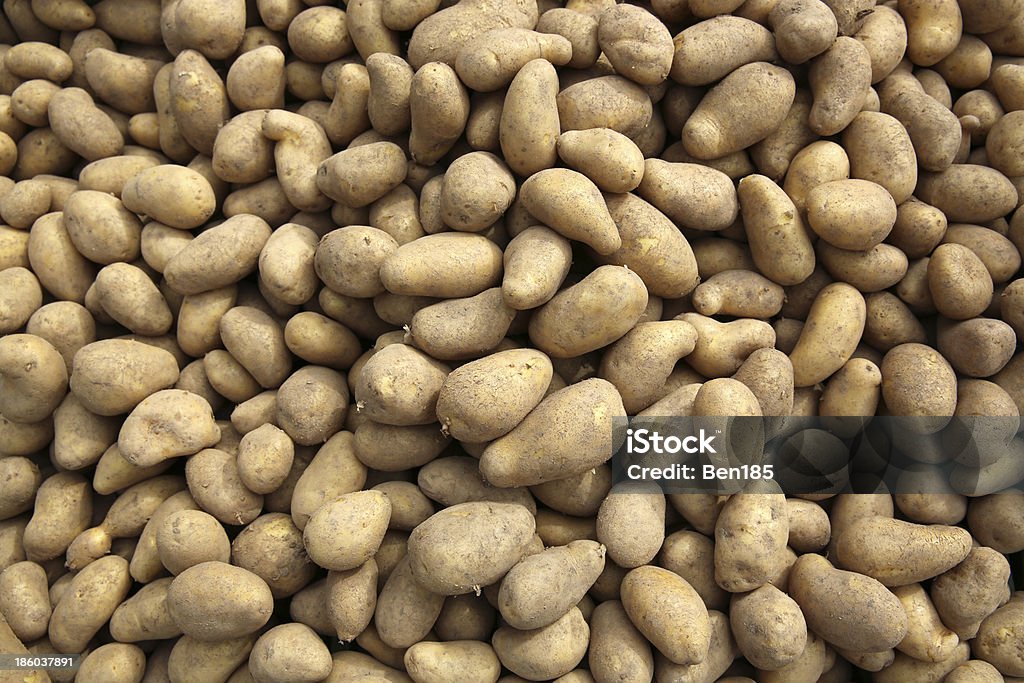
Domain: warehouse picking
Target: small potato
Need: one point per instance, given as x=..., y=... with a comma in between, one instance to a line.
x=214, y=601
x=88, y=603
x=256, y=80
x=462, y=328
x=622, y=296
x=190, y=537
x=933, y=30
x=448, y=265
x=144, y=615
x=881, y=622
x=769, y=627
x=358, y=176
x=668, y=611
x=933, y=549
x=997, y=638
x=767, y=211
x=969, y=592
x=979, y=347
x=174, y=195
x=640, y=363
x=578, y=28
x=213, y=480
x=405, y=610
x=366, y=511
x=631, y=523
x=265, y=457
x=536, y=262
x=198, y=100
x=401, y=364
x=20, y=297
x=933, y=128
x=113, y=662
x=742, y=109
x=33, y=378
x=439, y=109
x=750, y=538
x=24, y=600
x=617, y=648
x=271, y=548
x=466, y=403
x=167, y=424
x=388, y=104
x=803, y=29
x=905, y=370
x=694, y=196
x=333, y=472
x=541, y=588
x=709, y=50
x=879, y=268
x=545, y=653
x=394, y=448
x=520, y=459
x=738, y=293
x=219, y=256
x=968, y=193
x=83, y=127
x=607, y=157
x=834, y=327
x=489, y=537
x=605, y=102
x=571, y=204
x=466, y=659
x=491, y=60
x=292, y=651
x=851, y=214
x=809, y=527
x=636, y=43
x=722, y=347
x=301, y=145
x=839, y=79
x=960, y=285
x=312, y=404
x=256, y=341
x=101, y=227
x=456, y=479
x=927, y=639
x=130, y=297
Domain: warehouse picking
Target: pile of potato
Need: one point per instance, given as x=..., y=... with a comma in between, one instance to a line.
x=315, y=319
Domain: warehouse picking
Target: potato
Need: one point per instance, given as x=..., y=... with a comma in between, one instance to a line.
x=333, y=472
x=22, y=296
x=739, y=293
x=721, y=125
x=979, y=347
x=405, y=610
x=768, y=626
x=571, y=204
x=668, y=268
x=541, y=588
x=767, y=212
x=969, y=592
x=692, y=195
x=25, y=601
x=960, y=285
x=996, y=636
x=292, y=650
x=90, y=600
x=879, y=268
x=659, y=603
x=235, y=245
x=974, y=670
x=214, y=601
x=491, y=60
x=436, y=662
x=167, y=424
x=803, y=29
x=439, y=37
x=605, y=102
x=836, y=323
x=442, y=329
x=607, y=157
x=901, y=385
x=935, y=549
x=213, y=479
x=433, y=541
x=882, y=623
x=520, y=458
x=358, y=176
x=144, y=615
x=750, y=535
x=544, y=653
x=33, y=378
x=617, y=648
x=535, y=263
x=851, y=214
x=464, y=404
x=927, y=638
x=457, y=479
x=933, y=31
x=445, y=265
x=190, y=537
x=591, y=329
x=113, y=662
x=301, y=146
x=636, y=44
x=839, y=79
x=722, y=347
x=367, y=511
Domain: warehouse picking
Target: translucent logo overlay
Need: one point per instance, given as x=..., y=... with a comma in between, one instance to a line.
x=972, y=456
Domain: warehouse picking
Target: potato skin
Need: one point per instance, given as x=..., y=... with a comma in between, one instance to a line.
x=659, y=603
x=492, y=534
x=214, y=601
x=533, y=454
